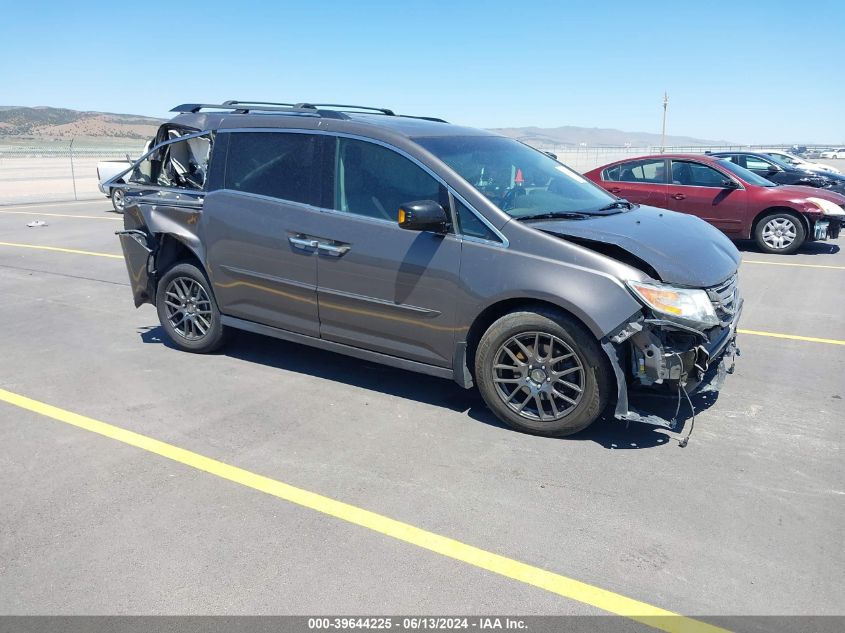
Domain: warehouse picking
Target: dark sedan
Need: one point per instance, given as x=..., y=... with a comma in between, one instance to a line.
x=781, y=172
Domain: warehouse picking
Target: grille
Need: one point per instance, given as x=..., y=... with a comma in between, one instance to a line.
x=724, y=298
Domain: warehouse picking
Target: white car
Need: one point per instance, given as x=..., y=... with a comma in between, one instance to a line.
x=833, y=153
x=800, y=163
x=108, y=169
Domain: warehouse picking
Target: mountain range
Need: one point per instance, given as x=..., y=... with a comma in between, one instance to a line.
x=48, y=124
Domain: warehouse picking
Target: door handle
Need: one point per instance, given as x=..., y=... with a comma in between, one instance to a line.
x=678, y=196
x=303, y=243
x=614, y=190
x=335, y=250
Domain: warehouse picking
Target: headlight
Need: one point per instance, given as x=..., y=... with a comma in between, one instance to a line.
x=686, y=305
x=826, y=206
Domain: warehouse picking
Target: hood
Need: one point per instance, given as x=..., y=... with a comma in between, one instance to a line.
x=682, y=249
x=799, y=193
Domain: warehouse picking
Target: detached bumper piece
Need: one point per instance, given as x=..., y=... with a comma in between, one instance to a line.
x=137, y=251
x=827, y=228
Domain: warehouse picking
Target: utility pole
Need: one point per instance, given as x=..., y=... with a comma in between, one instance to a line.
x=663, y=133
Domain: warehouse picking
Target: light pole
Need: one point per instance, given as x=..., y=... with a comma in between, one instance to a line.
x=663, y=133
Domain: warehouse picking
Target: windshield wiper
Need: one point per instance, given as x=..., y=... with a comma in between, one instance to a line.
x=551, y=215
x=618, y=204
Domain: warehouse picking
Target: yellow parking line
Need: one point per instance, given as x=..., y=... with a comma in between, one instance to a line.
x=63, y=215
x=522, y=572
x=794, y=337
x=38, y=205
x=760, y=261
x=61, y=250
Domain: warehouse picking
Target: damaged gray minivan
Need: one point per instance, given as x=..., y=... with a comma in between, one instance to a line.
x=430, y=247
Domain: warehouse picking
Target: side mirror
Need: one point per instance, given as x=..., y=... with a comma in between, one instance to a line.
x=423, y=215
x=727, y=183
x=773, y=169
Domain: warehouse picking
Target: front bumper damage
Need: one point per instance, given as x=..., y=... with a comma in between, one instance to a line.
x=659, y=364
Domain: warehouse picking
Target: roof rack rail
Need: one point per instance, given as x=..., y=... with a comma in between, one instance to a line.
x=424, y=118
x=327, y=110
x=242, y=107
x=342, y=106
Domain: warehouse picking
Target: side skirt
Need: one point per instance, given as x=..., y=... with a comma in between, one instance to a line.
x=340, y=348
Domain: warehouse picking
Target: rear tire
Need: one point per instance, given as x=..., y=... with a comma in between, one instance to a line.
x=780, y=233
x=542, y=373
x=118, y=200
x=188, y=311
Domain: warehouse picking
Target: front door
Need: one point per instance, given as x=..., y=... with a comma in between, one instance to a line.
x=260, y=230
x=700, y=190
x=381, y=287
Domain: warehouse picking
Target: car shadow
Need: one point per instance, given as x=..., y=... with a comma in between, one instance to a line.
x=809, y=248
x=255, y=348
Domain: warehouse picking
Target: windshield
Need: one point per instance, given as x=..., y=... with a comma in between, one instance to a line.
x=780, y=162
x=748, y=176
x=518, y=179
x=786, y=158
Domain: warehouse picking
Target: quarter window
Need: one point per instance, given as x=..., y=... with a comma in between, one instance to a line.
x=653, y=171
x=696, y=175
x=471, y=225
x=274, y=164
x=374, y=181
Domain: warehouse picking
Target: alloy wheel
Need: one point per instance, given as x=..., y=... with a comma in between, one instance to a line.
x=188, y=308
x=118, y=199
x=538, y=376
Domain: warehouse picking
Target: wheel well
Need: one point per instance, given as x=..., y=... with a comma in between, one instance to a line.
x=170, y=251
x=801, y=217
x=494, y=312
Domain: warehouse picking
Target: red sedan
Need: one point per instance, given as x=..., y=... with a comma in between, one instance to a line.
x=780, y=218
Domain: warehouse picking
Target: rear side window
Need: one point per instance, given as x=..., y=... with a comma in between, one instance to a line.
x=276, y=164
x=374, y=181
x=752, y=162
x=653, y=171
x=696, y=175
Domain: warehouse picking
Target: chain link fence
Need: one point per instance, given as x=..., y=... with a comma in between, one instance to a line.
x=51, y=173
x=44, y=174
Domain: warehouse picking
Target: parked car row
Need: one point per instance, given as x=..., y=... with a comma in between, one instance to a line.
x=736, y=192
x=833, y=153
x=801, y=163
x=783, y=173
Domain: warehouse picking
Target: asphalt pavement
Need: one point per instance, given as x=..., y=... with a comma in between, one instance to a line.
x=746, y=520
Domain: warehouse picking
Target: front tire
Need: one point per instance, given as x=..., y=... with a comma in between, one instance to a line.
x=780, y=233
x=188, y=311
x=541, y=372
x=118, y=200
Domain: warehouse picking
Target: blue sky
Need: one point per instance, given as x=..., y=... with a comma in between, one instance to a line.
x=742, y=71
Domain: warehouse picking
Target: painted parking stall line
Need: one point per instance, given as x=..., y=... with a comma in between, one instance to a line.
x=113, y=218
x=792, y=264
x=56, y=249
x=793, y=337
x=522, y=572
